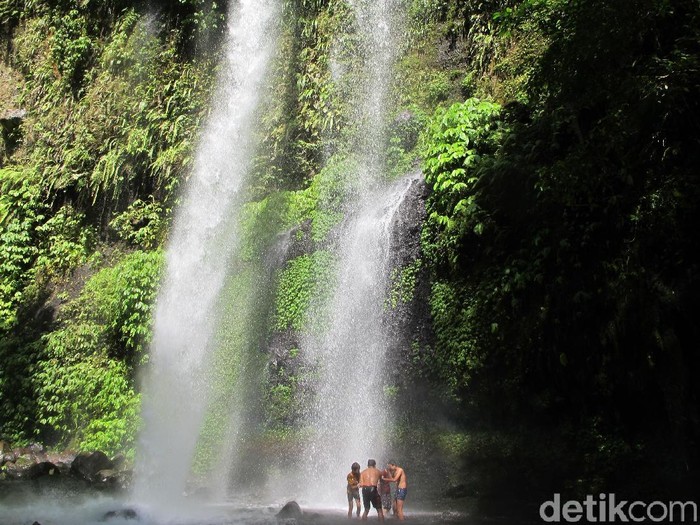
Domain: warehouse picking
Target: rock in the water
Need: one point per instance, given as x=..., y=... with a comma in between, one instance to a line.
x=41, y=469
x=87, y=465
x=27, y=467
x=290, y=511
x=127, y=514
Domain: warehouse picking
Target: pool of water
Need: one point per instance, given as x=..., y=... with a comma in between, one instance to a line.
x=105, y=510
x=74, y=504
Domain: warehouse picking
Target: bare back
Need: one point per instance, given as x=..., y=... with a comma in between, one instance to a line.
x=370, y=477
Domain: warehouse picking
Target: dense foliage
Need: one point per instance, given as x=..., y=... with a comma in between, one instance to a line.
x=564, y=252
x=559, y=141
x=110, y=108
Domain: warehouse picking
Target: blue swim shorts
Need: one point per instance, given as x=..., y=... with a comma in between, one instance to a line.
x=401, y=494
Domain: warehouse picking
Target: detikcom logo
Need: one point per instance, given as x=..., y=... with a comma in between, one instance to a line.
x=607, y=509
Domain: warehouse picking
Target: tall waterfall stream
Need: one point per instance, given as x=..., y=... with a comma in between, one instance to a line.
x=202, y=243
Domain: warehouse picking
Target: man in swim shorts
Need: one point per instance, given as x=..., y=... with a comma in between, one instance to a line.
x=369, y=478
x=398, y=476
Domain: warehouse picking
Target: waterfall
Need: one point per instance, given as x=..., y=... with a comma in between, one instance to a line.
x=351, y=415
x=203, y=240
x=377, y=21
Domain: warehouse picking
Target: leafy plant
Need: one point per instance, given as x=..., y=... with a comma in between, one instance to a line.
x=18, y=248
x=67, y=242
x=459, y=147
x=85, y=378
x=141, y=223
x=403, y=284
x=84, y=396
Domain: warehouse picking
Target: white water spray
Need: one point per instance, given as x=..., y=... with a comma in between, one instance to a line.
x=352, y=412
x=203, y=241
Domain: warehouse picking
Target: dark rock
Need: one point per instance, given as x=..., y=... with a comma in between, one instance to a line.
x=87, y=465
x=10, y=128
x=290, y=511
x=41, y=469
x=4, y=447
x=126, y=514
x=27, y=467
x=106, y=476
x=119, y=461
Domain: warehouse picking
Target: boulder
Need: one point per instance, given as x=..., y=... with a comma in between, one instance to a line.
x=11, y=472
x=87, y=465
x=121, y=514
x=291, y=512
x=35, y=449
x=41, y=469
x=62, y=460
x=119, y=462
x=27, y=467
x=112, y=478
x=106, y=475
x=24, y=461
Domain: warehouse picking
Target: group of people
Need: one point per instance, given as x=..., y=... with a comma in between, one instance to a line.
x=375, y=485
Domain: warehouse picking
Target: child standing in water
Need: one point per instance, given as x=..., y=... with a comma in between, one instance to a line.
x=354, y=489
x=385, y=490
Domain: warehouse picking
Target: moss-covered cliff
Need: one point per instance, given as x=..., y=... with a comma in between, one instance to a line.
x=547, y=316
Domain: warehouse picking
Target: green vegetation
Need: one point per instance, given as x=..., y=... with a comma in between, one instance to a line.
x=303, y=283
x=111, y=106
x=460, y=146
x=562, y=253
x=403, y=284
x=558, y=273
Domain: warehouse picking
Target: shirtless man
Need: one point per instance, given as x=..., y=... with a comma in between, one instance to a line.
x=369, y=478
x=398, y=476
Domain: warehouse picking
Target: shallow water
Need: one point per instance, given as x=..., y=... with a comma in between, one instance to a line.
x=93, y=511
x=58, y=504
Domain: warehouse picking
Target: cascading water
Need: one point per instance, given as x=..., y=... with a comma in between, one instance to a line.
x=352, y=413
x=203, y=241
x=378, y=22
